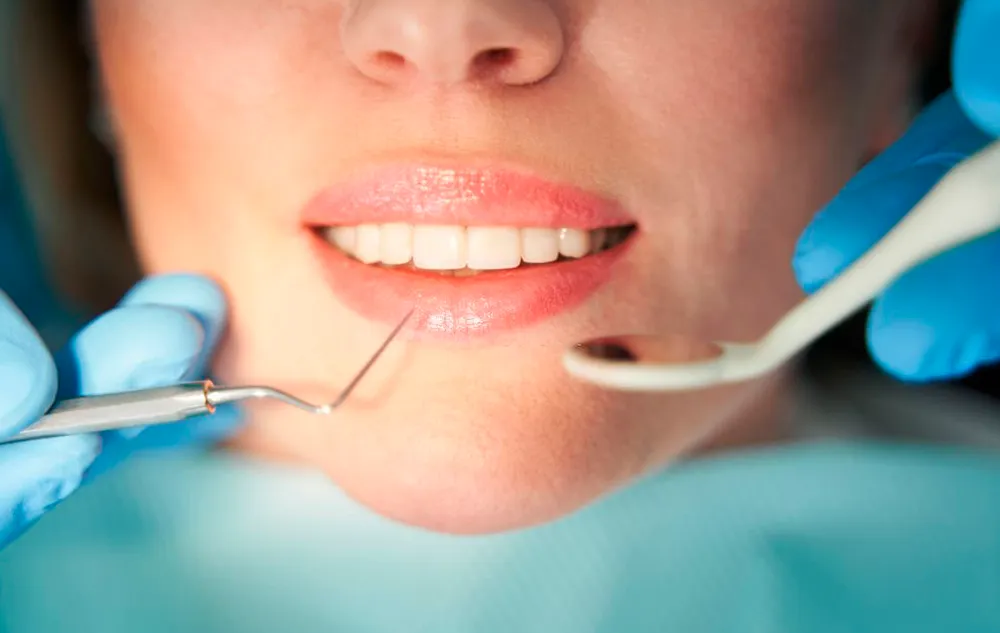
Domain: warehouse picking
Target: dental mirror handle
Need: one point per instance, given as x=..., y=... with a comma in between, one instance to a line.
x=964, y=206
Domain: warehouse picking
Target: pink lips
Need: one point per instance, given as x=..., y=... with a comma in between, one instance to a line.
x=463, y=306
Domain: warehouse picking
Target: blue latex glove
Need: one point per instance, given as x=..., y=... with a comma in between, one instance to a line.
x=161, y=333
x=941, y=320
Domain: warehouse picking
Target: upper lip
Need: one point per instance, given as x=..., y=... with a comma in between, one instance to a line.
x=464, y=196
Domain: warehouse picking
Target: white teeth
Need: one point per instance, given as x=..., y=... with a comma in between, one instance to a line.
x=493, y=248
x=539, y=246
x=367, y=243
x=459, y=248
x=439, y=247
x=396, y=244
x=573, y=242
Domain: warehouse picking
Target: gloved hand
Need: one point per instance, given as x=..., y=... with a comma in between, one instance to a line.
x=942, y=319
x=162, y=333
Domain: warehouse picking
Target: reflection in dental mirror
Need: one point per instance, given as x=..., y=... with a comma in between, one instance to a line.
x=649, y=349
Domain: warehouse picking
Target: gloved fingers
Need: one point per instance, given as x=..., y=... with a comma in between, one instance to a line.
x=129, y=348
x=27, y=371
x=855, y=221
x=941, y=320
x=35, y=476
x=162, y=333
x=196, y=295
x=884, y=192
x=976, y=63
x=205, y=300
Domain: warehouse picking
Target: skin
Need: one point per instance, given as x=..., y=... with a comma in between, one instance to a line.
x=721, y=126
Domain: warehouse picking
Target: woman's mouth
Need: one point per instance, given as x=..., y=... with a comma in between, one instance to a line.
x=471, y=251
x=462, y=251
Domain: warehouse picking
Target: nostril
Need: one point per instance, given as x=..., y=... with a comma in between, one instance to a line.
x=493, y=61
x=497, y=57
x=450, y=43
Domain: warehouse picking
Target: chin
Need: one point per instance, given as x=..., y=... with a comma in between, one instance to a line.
x=489, y=462
x=480, y=464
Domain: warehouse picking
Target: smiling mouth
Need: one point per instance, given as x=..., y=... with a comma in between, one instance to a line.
x=467, y=251
x=472, y=249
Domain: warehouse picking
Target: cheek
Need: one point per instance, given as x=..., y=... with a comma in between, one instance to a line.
x=736, y=141
x=209, y=87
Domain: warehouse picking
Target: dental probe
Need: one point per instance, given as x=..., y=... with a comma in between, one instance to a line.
x=176, y=403
x=964, y=206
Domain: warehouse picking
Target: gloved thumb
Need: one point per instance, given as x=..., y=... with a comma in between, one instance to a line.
x=27, y=372
x=34, y=476
x=976, y=63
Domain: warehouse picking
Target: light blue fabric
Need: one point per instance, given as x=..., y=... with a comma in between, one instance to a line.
x=832, y=538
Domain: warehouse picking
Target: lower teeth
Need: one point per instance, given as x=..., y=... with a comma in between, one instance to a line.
x=470, y=272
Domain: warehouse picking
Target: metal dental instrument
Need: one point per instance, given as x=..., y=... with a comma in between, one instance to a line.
x=163, y=405
x=964, y=206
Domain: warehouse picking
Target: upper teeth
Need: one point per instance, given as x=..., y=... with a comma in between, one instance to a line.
x=460, y=247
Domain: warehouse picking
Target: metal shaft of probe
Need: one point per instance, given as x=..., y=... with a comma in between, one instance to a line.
x=224, y=395
x=161, y=405
x=346, y=392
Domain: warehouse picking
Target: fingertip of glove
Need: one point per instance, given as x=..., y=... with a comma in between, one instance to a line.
x=196, y=294
x=27, y=385
x=135, y=347
x=975, y=61
x=815, y=263
x=825, y=248
x=901, y=349
x=981, y=105
x=914, y=352
x=151, y=330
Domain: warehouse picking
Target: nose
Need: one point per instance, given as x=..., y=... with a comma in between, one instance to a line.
x=448, y=42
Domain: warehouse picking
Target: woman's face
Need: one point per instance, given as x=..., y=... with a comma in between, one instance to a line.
x=481, y=135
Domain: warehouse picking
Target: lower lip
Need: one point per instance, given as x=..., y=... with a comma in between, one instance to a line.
x=465, y=307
